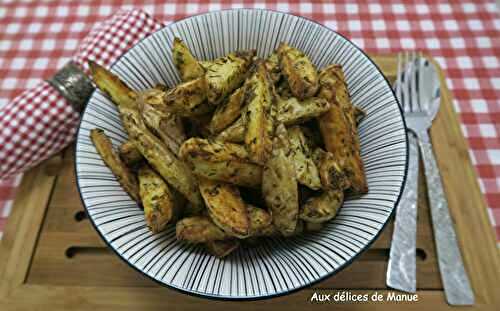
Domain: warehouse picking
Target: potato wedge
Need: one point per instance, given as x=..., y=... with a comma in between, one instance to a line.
x=225, y=162
x=130, y=155
x=225, y=207
x=292, y=111
x=338, y=127
x=161, y=206
x=259, y=115
x=109, y=83
x=164, y=161
x=190, y=210
x=227, y=112
x=261, y=222
x=299, y=71
x=186, y=63
x=272, y=64
x=283, y=89
x=279, y=184
x=227, y=73
x=289, y=112
x=323, y=207
x=124, y=176
x=166, y=126
x=198, y=229
x=161, y=87
x=312, y=227
x=187, y=99
x=222, y=248
x=299, y=229
x=331, y=174
x=235, y=133
x=205, y=64
x=305, y=168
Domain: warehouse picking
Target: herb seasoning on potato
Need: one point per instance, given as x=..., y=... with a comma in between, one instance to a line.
x=161, y=206
x=186, y=63
x=338, y=127
x=105, y=149
x=259, y=147
x=299, y=71
x=259, y=115
x=225, y=207
x=279, y=184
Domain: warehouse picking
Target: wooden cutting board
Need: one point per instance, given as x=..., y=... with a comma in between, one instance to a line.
x=51, y=257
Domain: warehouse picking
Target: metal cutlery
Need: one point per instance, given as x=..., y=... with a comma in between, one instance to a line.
x=402, y=269
x=424, y=101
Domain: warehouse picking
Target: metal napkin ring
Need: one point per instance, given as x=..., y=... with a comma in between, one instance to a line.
x=73, y=84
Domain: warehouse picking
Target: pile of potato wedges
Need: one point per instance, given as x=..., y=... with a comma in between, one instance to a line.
x=242, y=148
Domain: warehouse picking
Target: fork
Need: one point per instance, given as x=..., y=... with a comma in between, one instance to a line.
x=401, y=268
x=423, y=98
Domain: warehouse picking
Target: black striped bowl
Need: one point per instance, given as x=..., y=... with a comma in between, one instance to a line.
x=277, y=266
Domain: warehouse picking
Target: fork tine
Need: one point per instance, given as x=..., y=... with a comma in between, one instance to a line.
x=424, y=105
x=406, y=86
x=413, y=83
x=399, y=81
x=417, y=79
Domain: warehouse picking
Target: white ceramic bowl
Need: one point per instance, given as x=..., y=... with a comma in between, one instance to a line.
x=278, y=266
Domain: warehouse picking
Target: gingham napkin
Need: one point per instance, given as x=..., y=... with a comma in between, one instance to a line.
x=40, y=122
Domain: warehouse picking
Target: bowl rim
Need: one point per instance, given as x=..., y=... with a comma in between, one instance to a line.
x=282, y=293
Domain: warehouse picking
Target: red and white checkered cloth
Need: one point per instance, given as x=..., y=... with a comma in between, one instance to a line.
x=464, y=37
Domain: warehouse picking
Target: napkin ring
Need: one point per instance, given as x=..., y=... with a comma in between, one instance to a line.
x=73, y=84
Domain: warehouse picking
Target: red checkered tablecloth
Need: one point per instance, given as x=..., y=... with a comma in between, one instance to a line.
x=37, y=38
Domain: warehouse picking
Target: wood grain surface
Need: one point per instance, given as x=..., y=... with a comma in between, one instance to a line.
x=51, y=257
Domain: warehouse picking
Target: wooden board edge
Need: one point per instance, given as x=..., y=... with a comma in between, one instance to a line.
x=24, y=223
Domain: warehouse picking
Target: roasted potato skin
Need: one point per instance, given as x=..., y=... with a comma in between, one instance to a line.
x=227, y=73
x=187, y=99
x=299, y=229
x=312, y=227
x=130, y=155
x=226, y=113
x=305, y=168
x=161, y=206
x=164, y=161
x=166, y=126
x=338, y=127
x=291, y=111
x=299, y=71
x=198, y=229
x=109, y=83
x=225, y=207
x=272, y=64
x=124, y=176
x=186, y=63
x=279, y=184
x=235, y=133
x=261, y=222
x=323, y=207
x=161, y=87
x=222, y=248
x=259, y=115
x=238, y=133
x=225, y=162
x=283, y=89
x=331, y=173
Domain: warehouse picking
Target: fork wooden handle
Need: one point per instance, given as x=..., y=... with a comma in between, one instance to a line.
x=455, y=280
